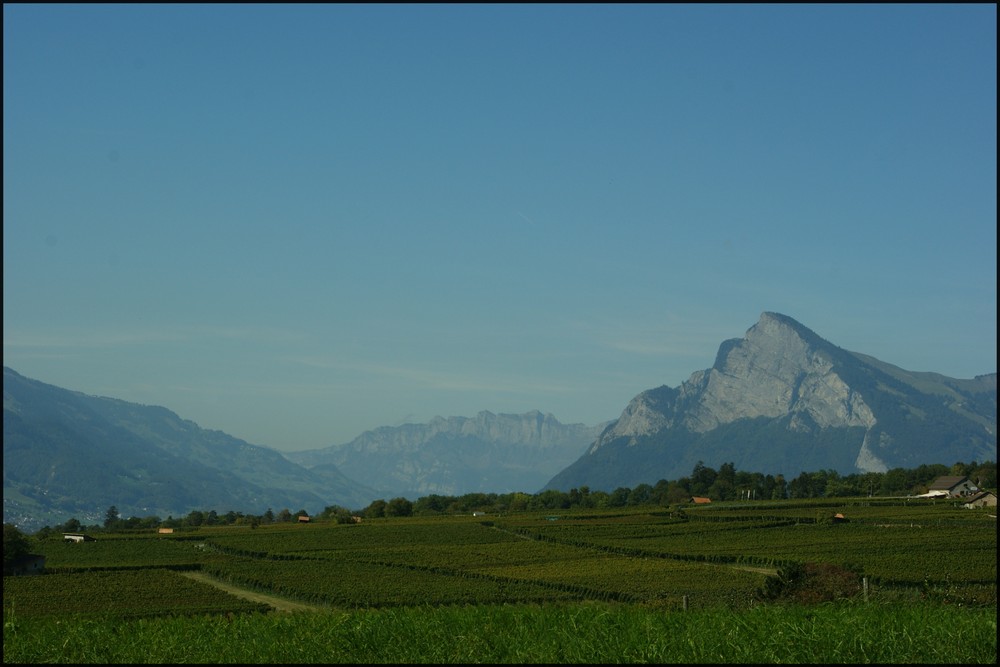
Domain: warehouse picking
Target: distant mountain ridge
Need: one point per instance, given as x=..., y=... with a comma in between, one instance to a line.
x=781, y=400
x=67, y=454
x=784, y=400
x=71, y=455
x=497, y=453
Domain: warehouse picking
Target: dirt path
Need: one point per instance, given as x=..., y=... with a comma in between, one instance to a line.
x=279, y=604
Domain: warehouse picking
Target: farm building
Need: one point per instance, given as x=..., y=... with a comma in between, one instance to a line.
x=78, y=537
x=303, y=518
x=981, y=499
x=165, y=531
x=700, y=500
x=26, y=564
x=956, y=486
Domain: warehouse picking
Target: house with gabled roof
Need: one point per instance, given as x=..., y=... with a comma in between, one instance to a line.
x=981, y=499
x=956, y=486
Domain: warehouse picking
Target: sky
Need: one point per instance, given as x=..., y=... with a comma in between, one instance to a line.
x=297, y=223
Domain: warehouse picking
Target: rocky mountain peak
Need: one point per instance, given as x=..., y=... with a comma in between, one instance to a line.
x=783, y=400
x=778, y=368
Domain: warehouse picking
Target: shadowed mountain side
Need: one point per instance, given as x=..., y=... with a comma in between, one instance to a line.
x=67, y=454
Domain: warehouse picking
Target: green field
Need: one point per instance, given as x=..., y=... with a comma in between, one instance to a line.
x=730, y=582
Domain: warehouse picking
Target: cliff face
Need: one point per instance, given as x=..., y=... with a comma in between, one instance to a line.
x=782, y=399
x=779, y=369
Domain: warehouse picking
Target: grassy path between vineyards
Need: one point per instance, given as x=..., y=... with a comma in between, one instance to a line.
x=279, y=604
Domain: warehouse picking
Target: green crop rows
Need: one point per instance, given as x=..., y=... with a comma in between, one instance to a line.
x=120, y=594
x=697, y=557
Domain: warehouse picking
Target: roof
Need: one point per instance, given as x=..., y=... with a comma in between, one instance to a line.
x=979, y=496
x=948, y=482
x=938, y=493
x=700, y=500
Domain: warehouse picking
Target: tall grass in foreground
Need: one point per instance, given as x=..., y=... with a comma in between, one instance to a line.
x=598, y=633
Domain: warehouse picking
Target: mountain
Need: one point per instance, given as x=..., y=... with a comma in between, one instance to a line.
x=783, y=400
x=67, y=454
x=490, y=453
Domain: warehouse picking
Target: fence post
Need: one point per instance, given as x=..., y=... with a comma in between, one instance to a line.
x=864, y=584
x=685, y=601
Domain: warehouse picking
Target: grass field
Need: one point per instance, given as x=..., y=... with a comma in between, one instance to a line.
x=751, y=582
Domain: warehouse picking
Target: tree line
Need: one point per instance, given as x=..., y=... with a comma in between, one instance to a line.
x=723, y=484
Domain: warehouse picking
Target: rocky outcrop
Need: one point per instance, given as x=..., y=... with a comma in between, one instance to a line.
x=782, y=399
x=778, y=369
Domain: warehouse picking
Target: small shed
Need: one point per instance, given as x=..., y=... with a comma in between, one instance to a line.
x=981, y=499
x=303, y=518
x=165, y=531
x=78, y=537
x=700, y=500
x=26, y=564
x=839, y=518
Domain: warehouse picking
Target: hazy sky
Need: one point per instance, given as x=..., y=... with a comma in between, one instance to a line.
x=298, y=223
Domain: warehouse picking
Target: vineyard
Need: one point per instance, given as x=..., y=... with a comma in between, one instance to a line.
x=721, y=556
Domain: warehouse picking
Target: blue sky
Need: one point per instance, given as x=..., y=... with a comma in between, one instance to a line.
x=295, y=223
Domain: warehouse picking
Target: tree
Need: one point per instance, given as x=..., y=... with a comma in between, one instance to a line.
x=640, y=495
x=984, y=475
x=519, y=501
x=111, y=517
x=619, y=497
x=337, y=513
x=432, y=504
x=399, y=507
x=376, y=510
x=895, y=482
x=549, y=499
x=16, y=545
x=780, y=490
x=702, y=477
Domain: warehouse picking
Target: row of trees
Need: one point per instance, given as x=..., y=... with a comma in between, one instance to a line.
x=723, y=484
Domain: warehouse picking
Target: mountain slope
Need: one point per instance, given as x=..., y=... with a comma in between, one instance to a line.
x=67, y=454
x=496, y=453
x=783, y=400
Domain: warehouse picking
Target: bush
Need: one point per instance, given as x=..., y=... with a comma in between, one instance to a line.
x=811, y=583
